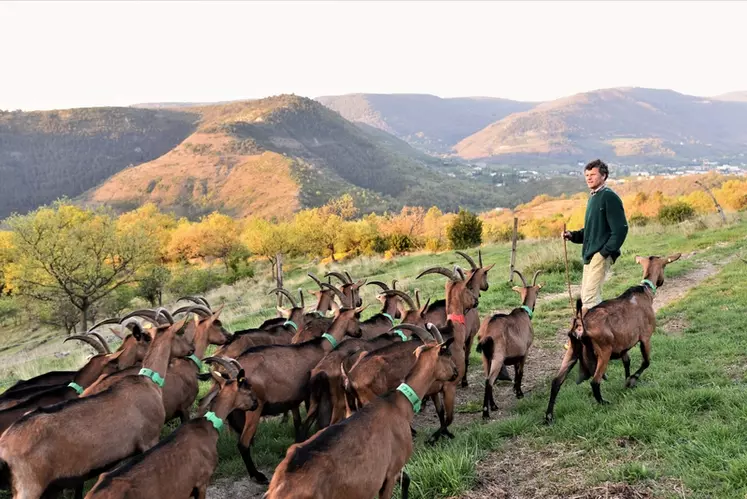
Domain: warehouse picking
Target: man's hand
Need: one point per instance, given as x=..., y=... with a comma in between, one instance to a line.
x=566, y=235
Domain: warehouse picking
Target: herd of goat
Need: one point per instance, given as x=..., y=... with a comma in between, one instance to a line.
x=361, y=383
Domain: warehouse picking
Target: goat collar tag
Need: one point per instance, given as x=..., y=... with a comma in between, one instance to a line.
x=456, y=318
x=75, y=386
x=331, y=339
x=408, y=392
x=391, y=319
x=527, y=310
x=217, y=422
x=291, y=323
x=154, y=376
x=197, y=361
x=402, y=335
x=650, y=284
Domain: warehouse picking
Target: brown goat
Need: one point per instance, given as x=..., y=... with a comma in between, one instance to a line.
x=611, y=328
x=327, y=405
x=505, y=340
x=437, y=311
x=73, y=440
x=363, y=456
x=181, y=387
x=133, y=350
x=181, y=464
x=350, y=289
x=279, y=375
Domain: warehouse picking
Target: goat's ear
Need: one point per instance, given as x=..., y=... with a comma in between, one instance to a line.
x=445, y=346
x=517, y=289
x=485, y=269
x=673, y=258
x=217, y=312
x=420, y=350
x=218, y=378
x=639, y=259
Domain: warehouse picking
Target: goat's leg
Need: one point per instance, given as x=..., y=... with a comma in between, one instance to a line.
x=569, y=360
x=626, y=364
x=405, y=482
x=603, y=358
x=310, y=418
x=200, y=492
x=387, y=488
x=245, y=442
x=27, y=491
x=518, y=376
x=300, y=434
x=496, y=363
x=449, y=394
x=646, y=354
x=467, y=350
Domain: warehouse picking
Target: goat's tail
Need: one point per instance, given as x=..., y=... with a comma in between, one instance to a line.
x=321, y=394
x=486, y=346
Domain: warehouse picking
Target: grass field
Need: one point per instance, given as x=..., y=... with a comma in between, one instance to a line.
x=679, y=433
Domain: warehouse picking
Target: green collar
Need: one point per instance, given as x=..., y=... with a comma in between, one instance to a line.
x=408, y=392
x=527, y=310
x=154, y=376
x=331, y=339
x=75, y=386
x=197, y=361
x=291, y=323
x=650, y=284
x=391, y=319
x=402, y=335
x=217, y=422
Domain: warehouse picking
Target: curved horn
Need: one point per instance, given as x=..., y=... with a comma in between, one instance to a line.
x=316, y=280
x=394, y=283
x=438, y=270
x=417, y=297
x=87, y=339
x=458, y=270
x=286, y=294
x=342, y=297
x=300, y=294
x=380, y=284
x=405, y=297
x=193, y=299
x=431, y=328
x=161, y=311
x=425, y=307
x=421, y=333
x=225, y=363
x=468, y=258
x=534, y=279
x=130, y=323
x=200, y=310
x=347, y=274
x=111, y=320
x=339, y=276
x=524, y=281
x=479, y=258
x=202, y=298
x=146, y=314
x=103, y=341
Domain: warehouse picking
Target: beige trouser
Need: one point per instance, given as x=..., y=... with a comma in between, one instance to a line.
x=595, y=273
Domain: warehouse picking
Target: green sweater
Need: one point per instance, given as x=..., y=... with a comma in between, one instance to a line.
x=605, y=226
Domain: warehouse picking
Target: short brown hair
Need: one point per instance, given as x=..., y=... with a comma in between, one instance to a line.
x=598, y=163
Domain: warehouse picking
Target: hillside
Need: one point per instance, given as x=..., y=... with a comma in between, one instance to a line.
x=640, y=124
x=48, y=154
x=733, y=96
x=269, y=157
x=427, y=122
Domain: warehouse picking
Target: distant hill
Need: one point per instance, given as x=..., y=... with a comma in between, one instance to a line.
x=634, y=123
x=270, y=157
x=427, y=122
x=733, y=96
x=48, y=154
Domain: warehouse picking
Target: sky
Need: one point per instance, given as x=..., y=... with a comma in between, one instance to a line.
x=78, y=54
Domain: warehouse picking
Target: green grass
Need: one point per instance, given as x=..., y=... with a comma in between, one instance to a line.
x=683, y=423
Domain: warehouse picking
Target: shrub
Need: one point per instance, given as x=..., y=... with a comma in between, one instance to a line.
x=399, y=243
x=638, y=220
x=554, y=266
x=675, y=213
x=465, y=231
x=194, y=281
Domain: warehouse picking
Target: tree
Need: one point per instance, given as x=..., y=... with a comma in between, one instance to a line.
x=80, y=254
x=465, y=231
x=266, y=239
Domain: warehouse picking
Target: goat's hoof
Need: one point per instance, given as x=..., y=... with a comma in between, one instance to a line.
x=630, y=383
x=261, y=479
x=448, y=434
x=519, y=394
x=434, y=438
x=464, y=383
x=549, y=418
x=493, y=407
x=604, y=402
x=485, y=415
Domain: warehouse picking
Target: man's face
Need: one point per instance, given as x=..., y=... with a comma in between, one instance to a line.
x=593, y=178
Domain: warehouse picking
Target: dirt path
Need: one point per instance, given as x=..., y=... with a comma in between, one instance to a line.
x=504, y=467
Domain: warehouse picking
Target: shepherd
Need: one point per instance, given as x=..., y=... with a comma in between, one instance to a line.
x=604, y=232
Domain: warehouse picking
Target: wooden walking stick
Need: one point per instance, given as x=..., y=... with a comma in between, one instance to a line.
x=567, y=271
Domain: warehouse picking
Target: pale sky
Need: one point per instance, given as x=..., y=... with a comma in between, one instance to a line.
x=61, y=55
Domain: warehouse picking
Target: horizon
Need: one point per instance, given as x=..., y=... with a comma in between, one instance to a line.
x=197, y=52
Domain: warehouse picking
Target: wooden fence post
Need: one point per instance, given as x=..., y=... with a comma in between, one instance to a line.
x=513, y=251
x=279, y=276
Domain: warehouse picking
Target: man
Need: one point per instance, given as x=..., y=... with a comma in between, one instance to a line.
x=604, y=232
